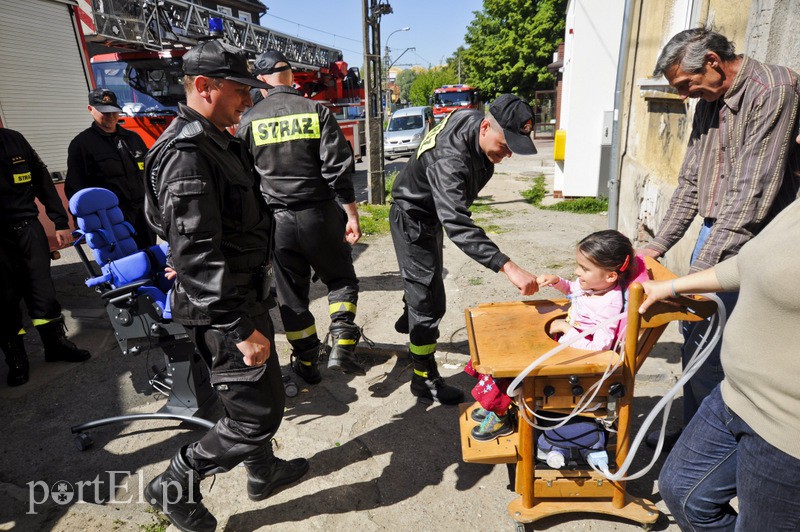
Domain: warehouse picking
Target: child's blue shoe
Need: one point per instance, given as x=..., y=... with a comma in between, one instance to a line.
x=493, y=426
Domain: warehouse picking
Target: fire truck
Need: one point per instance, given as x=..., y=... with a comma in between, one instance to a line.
x=134, y=47
x=448, y=98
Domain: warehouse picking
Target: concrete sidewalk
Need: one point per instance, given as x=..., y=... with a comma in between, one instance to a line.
x=379, y=459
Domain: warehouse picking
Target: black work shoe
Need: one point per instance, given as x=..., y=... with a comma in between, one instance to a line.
x=266, y=473
x=305, y=364
x=308, y=371
x=344, y=360
x=57, y=347
x=670, y=439
x=176, y=492
x=343, y=353
x=17, y=360
x=435, y=389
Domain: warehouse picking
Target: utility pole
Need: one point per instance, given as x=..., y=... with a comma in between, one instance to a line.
x=372, y=11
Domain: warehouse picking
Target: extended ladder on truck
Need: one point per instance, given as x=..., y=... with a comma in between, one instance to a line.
x=159, y=25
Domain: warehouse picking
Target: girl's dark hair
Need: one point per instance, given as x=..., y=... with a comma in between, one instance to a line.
x=610, y=250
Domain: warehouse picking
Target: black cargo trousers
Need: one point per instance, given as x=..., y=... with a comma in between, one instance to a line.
x=253, y=397
x=305, y=238
x=418, y=247
x=25, y=274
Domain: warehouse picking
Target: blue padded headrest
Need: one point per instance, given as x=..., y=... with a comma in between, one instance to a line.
x=101, y=221
x=91, y=200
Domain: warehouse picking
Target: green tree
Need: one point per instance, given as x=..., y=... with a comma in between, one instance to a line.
x=510, y=43
x=404, y=80
x=422, y=87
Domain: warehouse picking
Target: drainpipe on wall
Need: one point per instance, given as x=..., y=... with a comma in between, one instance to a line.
x=616, y=138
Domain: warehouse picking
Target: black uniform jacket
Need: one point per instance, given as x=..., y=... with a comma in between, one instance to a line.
x=23, y=178
x=203, y=198
x=299, y=149
x=443, y=179
x=110, y=160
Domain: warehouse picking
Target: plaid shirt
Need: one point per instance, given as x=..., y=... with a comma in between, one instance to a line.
x=741, y=165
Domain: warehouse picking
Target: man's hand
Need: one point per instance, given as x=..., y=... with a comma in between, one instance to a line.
x=526, y=282
x=170, y=273
x=648, y=252
x=255, y=349
x=548, y=279
x=352, y=231
x=63, y=237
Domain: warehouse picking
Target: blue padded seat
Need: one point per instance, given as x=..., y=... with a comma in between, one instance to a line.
x=102, y=225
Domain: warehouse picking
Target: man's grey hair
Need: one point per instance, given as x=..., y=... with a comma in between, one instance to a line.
x=688, y=49
x=493, y=121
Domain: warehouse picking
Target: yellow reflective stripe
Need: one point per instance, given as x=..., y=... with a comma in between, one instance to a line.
x=285, y=128
x=141, y=165
x=21, y=332
x=37, y=322
x=305, y=362
x=342, y=306
x=22, y=178
x=299, y=335
x=427, y=349
x=345, y=341
x=423, y=374
x=430, y=139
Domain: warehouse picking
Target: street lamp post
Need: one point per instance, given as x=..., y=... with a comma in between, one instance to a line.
x=388, y=65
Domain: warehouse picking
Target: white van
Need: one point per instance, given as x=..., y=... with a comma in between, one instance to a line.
x=406, y=129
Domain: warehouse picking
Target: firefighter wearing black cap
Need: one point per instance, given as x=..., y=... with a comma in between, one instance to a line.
x=306, y=170
x=108, y=155
x=25, y=258
x=203, y=198
x=434, y=192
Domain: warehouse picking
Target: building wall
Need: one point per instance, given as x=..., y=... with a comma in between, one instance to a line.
x=655, y=123
x=591, y=46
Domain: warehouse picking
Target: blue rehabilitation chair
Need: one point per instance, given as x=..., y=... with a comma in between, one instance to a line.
x=136, y=295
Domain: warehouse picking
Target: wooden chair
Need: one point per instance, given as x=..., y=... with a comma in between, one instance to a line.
x=504, y=338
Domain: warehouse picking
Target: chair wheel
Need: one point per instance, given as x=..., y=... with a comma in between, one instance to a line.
x=83, y=441
x=647, y=527
x=519, y=527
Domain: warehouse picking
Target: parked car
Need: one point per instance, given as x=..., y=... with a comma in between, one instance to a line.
x=406, y=129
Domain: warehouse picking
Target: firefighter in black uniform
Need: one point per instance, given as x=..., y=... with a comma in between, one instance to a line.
x=108, y=155
x=306, y=170
x=435, y=190
x=203, y=198
x=25, y=257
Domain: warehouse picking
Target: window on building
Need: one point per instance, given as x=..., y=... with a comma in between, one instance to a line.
x=225, y=10
x=245, y=16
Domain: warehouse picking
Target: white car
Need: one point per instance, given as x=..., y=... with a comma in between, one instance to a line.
x=407, y=127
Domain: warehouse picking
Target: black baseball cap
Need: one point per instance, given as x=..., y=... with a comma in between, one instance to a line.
x=265, y=63
x=515, y=116
x=217, y=59
x=104, y=100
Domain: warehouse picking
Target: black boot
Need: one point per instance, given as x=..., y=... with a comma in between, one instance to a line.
x=426, y=383
x=57, y=347
x=343, y=353
x=266, y=472
x=17, y=360
x=401, y=325
x=305, y=363
x=176, y=492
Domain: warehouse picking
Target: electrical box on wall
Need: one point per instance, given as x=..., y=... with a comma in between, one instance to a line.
x=560, y=145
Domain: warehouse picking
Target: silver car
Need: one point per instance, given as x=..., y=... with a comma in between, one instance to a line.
x=407, y=127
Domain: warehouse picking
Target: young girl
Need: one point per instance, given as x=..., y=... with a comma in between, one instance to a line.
x=605, y=266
